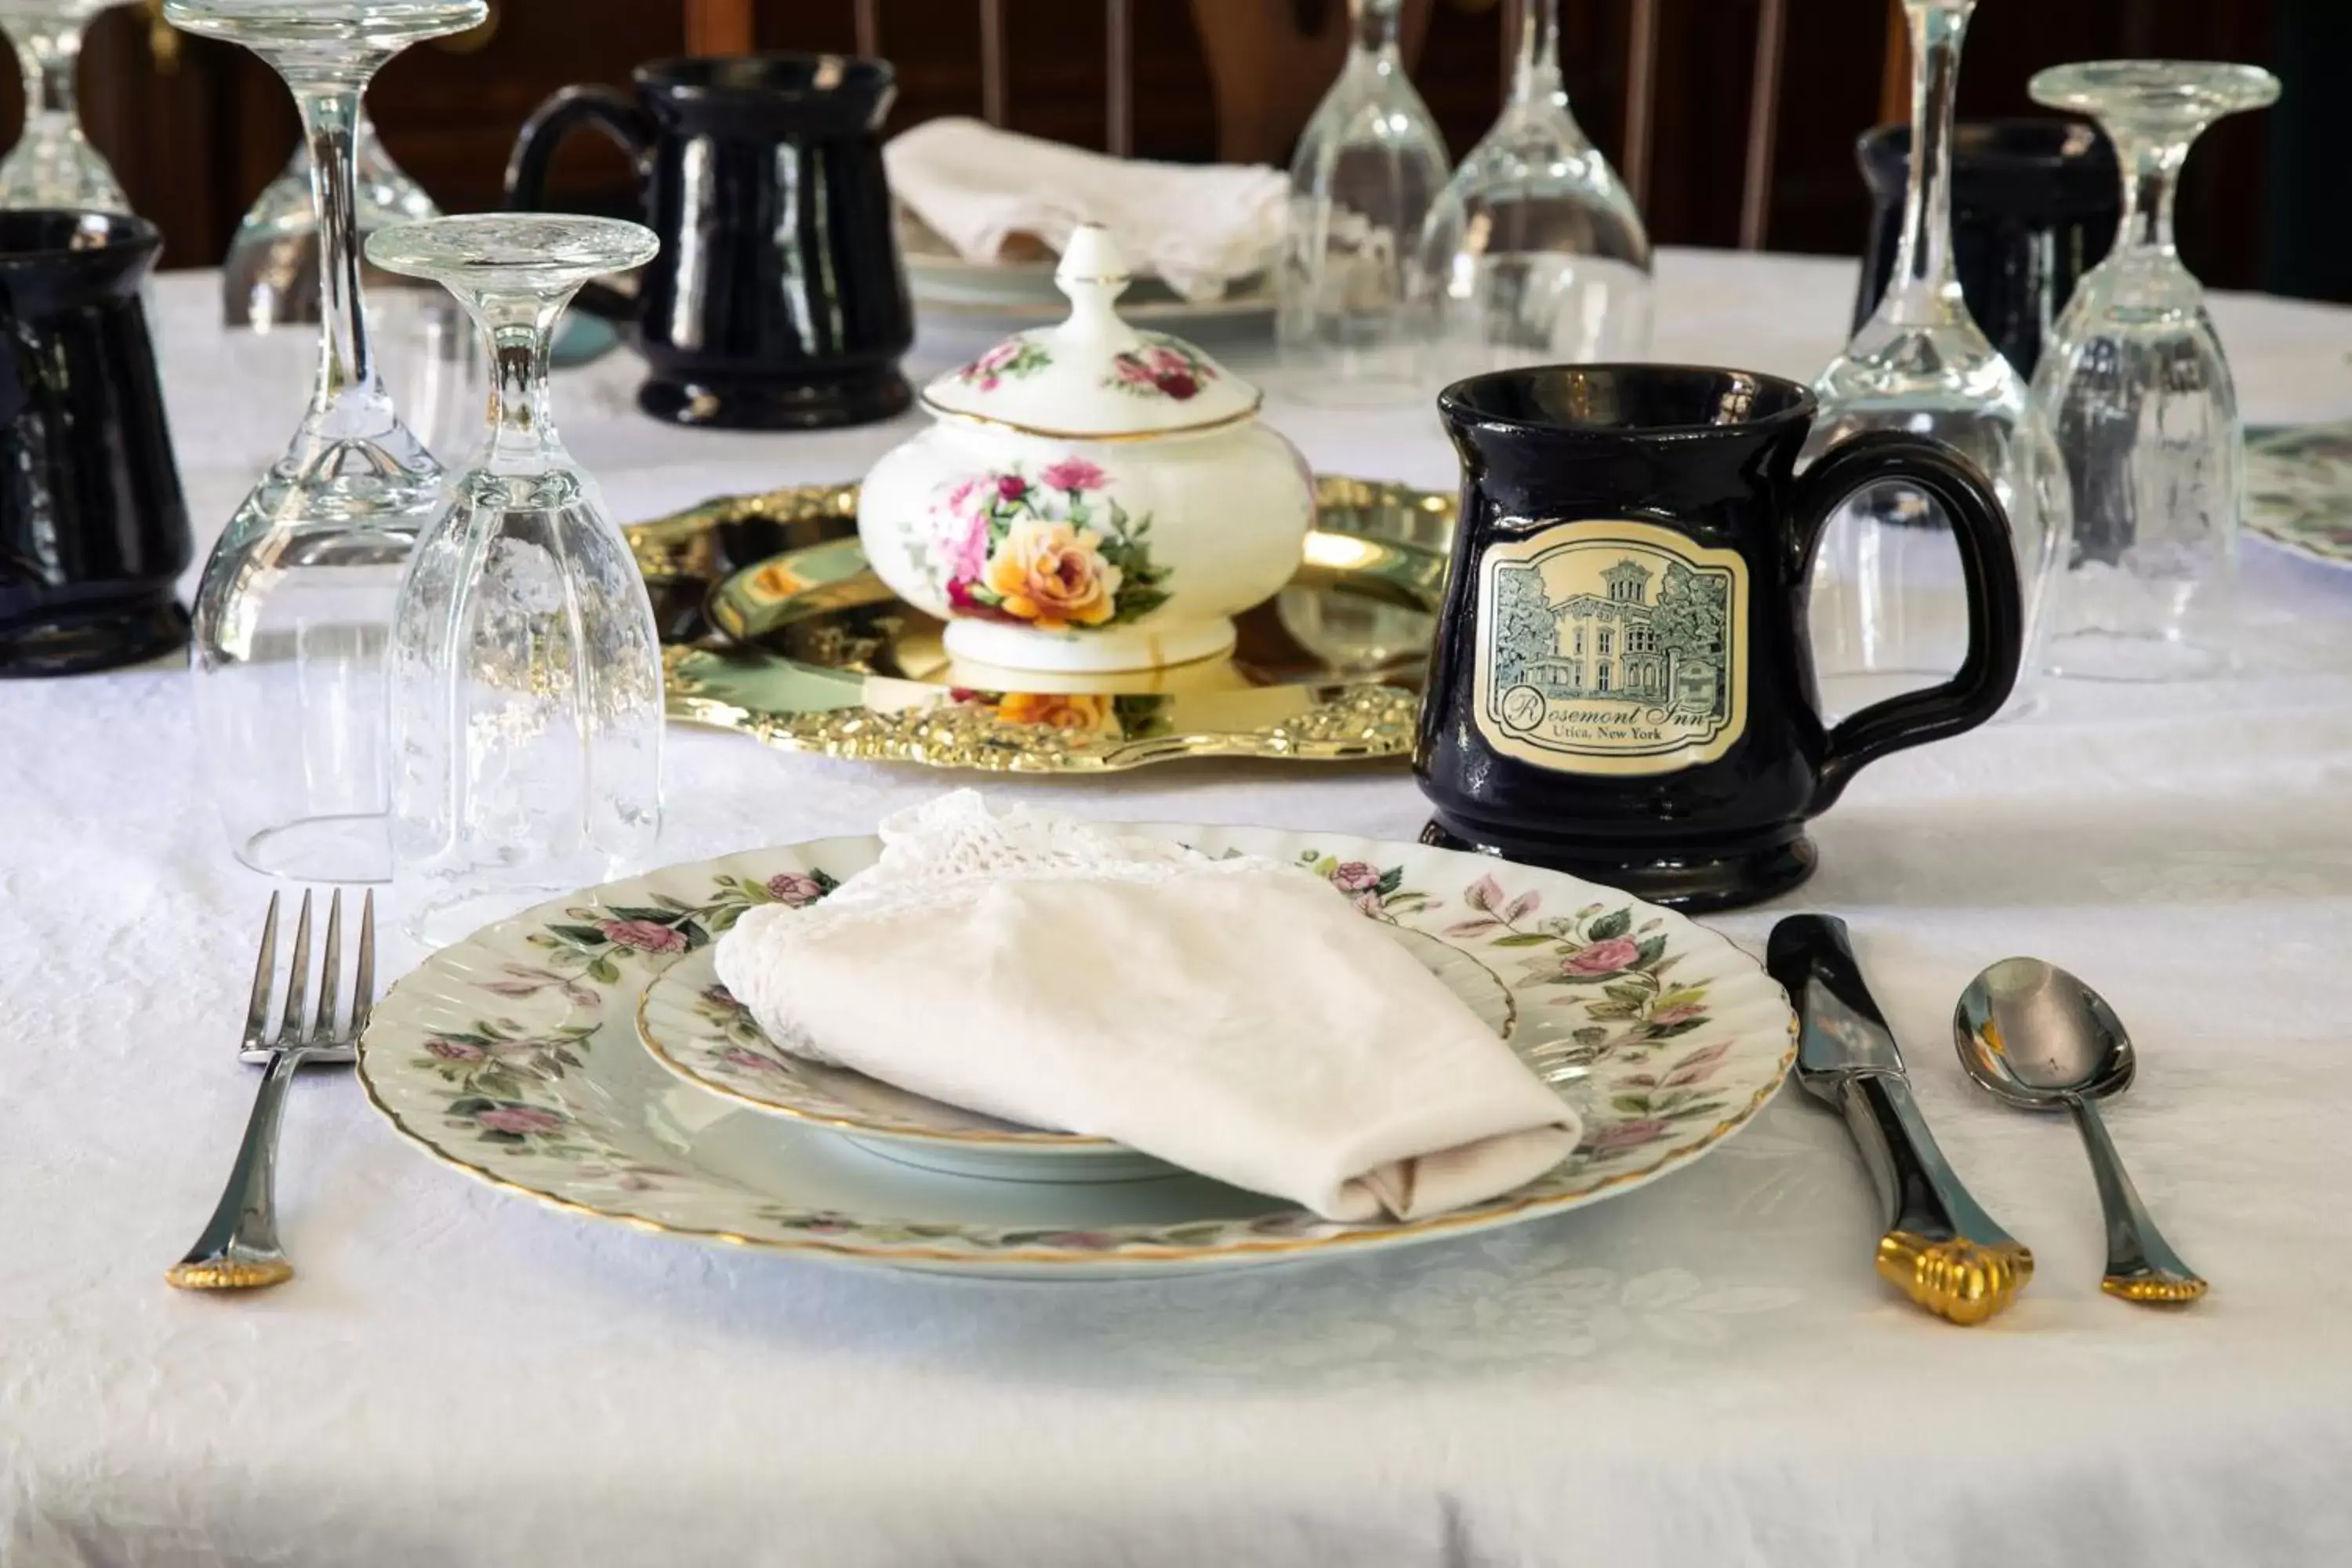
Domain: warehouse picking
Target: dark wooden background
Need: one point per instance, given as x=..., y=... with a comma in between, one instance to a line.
x=196, y=128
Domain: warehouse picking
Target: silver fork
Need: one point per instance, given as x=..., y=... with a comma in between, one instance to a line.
x=238, y=1250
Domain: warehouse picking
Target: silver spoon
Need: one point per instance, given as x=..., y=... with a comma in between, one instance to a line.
x=2038, y=1038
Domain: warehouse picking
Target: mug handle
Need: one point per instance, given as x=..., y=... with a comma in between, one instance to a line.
x=1987, y=566
x=607, y=110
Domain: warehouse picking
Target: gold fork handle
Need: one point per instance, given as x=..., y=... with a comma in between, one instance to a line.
x=238, y=1250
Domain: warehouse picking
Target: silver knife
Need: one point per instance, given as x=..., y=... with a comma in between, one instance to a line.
x=1941, y=1248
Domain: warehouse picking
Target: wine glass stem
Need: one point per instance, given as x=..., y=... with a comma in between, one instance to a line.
x=331, y=115
x=1926, y=289
x=1537, y=77
x=48, y=54
x=1375, y=22
x=521, y=330
x=2151, y=164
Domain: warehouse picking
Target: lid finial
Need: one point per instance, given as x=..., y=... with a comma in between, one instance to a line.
x=1093, y=273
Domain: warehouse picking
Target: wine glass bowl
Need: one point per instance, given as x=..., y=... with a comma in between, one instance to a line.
x=1533, y=251
x=1369, y=166
x=2137, y=390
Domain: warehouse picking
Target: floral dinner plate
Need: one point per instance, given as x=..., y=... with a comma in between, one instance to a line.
x=513, y=1056
x=2299, y=490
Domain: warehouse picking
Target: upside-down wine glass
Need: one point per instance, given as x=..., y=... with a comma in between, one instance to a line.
x=296, y=603
x=1369, y=167
x=53, y=163
x=526, y=673
x=2136, y=390
x=1534, y=253
x=1889, y=611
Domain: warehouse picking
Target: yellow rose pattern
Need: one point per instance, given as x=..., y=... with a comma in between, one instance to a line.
x=1051, y=573
x=1052, y=551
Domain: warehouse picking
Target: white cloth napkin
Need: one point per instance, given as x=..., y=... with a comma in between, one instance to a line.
x=1237, y=1018
x=1197, y=227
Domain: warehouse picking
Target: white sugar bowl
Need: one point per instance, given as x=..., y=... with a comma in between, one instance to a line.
x=1091, y=497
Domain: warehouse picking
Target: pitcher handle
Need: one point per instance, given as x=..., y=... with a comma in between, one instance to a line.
x=604, y=109
x=1987, y=566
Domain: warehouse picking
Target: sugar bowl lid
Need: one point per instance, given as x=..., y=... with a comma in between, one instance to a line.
x=1093, y=375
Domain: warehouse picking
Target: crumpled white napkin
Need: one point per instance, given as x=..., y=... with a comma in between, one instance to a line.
x=1197, y=227
x=1237, y=1018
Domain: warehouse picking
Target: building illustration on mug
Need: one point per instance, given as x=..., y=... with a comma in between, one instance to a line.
x=1616, y=643
x=1598, y=643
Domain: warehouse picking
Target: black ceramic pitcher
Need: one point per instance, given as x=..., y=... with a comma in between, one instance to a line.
x=779, y=300
x=93, y=528
x=1621, y=686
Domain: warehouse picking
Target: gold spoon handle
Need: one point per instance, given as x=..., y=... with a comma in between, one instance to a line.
x=2140, y=1265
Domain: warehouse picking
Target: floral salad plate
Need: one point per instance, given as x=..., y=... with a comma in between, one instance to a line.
x=514, y=1056
x=695, y=1028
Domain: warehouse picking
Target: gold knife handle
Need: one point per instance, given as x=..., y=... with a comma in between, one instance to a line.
x=1963, y=1280
x=1941, y=1248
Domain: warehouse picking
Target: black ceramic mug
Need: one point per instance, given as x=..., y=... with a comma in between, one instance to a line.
x=2034, y=206
x=779, y=300
x=1621, y=686
x=94, y=527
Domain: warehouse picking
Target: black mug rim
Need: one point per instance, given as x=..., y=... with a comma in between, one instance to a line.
x=126, y=233
x=688, y=77
x=2002, y=157
x=1453, y=403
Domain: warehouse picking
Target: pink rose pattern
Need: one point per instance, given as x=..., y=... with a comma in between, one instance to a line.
x=645, y=936
x=1008, y=360
x=519, y=1119
x=1072, y=474
x=1602, y=957
x=795, y=889
x=1161, y=368
x=753, y=1062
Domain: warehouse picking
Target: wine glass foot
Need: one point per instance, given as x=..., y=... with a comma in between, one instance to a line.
x=355, y=848
x=2107, y=655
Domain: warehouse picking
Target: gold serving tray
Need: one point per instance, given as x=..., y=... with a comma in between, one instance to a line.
x=780, y=631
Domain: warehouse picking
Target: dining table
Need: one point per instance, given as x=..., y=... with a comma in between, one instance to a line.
x=1706, y=1371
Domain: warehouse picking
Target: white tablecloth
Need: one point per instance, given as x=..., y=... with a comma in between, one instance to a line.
x=1705, y=1372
